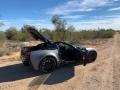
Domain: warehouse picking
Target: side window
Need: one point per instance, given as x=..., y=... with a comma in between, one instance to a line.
x=68, y=47
x=51, y=46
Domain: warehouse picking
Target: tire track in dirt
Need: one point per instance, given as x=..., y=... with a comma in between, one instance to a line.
x=110, y=75
x=107, y=79
x=99, y=76
x=116, y=64
x=37, y=81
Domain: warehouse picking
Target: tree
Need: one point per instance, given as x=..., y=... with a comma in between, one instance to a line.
x=59, y=24
x=70, y=30
x=11, y=33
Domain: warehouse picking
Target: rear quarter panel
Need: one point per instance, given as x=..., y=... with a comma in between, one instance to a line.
x=37, y=56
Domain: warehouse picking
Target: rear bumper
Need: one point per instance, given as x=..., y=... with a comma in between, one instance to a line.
x=24, y=60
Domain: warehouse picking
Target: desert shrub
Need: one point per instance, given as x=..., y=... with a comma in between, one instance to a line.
x=102, y=33
x=22, y=36
x=78, y=35
x=11, y=33
x=7, y=51
x=67, y=34
x=109, y=33
x=2, y=38
x=4, y=51
x=10, y=47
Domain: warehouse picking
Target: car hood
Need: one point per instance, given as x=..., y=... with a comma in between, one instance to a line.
x=36, y=35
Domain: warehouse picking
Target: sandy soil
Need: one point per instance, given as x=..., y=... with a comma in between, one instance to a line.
x=103, y=74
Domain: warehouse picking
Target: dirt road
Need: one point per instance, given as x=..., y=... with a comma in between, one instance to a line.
x=103, y=74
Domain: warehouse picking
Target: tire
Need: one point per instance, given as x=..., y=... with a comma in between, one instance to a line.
x=47, y=65
x=92, y=55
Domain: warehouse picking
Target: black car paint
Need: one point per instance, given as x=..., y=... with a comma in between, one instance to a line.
x=73, y=53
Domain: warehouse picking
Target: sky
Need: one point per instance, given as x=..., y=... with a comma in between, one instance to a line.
x=83, y=14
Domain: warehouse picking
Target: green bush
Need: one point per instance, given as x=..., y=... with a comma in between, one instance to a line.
x=78, y=35
x=2, y=38
x=11, y=33
x=69, y=34
x=106, y=33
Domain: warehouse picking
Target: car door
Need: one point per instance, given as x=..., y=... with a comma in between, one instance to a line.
x=69, y=52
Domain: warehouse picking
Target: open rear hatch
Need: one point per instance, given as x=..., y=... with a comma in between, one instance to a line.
x=36, y=35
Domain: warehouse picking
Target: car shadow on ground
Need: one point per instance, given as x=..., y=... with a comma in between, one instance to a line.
x=16, y=72
x=61, y=74
x=19, y=71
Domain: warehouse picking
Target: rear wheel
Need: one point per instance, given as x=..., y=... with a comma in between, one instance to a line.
x=47, y=65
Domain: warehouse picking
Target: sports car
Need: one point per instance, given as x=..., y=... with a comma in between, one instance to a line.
x=48, y=55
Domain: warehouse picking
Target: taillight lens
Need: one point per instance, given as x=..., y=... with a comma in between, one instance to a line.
x=25, y=52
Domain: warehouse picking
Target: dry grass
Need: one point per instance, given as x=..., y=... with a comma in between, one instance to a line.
x=9, y=47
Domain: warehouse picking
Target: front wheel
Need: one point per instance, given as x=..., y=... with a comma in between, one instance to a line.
x=92, y=55
x=47, y=65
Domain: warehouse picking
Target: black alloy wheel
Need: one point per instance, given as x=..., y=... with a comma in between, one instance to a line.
x=47, y=65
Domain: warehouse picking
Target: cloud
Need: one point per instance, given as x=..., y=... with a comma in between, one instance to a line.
x=112, y=22
x=114, y=9
x=5, y=26
x=20, y=22
x=116, y=0
x=94, y=3
x=106, y=17
x=78, y=6
x=72, y=16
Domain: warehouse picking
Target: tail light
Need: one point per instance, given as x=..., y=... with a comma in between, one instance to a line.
x=25, y=52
